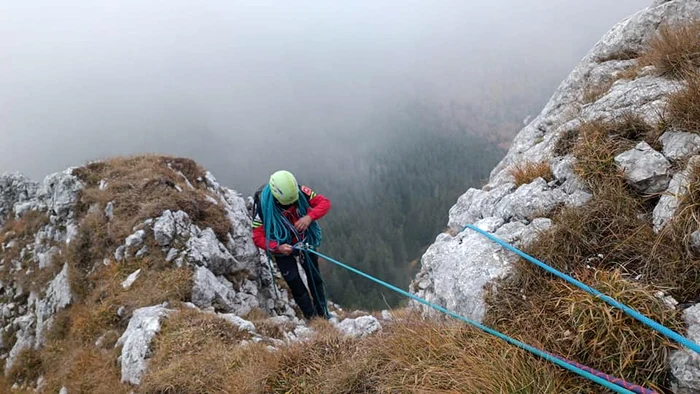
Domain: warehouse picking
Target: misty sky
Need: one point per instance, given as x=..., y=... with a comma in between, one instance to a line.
x=247, y=87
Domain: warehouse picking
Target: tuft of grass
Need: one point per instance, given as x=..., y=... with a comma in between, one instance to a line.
x=526, y=172
x=684, y=106
x=675, y=49
x=599, y=142
x=545, y=311
x=27, y=367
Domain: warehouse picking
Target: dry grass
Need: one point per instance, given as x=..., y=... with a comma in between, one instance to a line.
x=547, y=312
x=684, y=106
x=143, y=187
x=609, y=245
x=198, y=353
x=27, y=367
x=675, y=50
x=566, y=142
x=526, y=172
x=81, y=369
x=626, y=54
x=195, y=353
x=599, y=143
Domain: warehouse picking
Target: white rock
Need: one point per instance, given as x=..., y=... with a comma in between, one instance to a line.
x=685, y=364
x=645, y=169
x=135, y=239
x=359, y=327
x=242, y=324
x=24, y=327
x=671, y=198
x=109, y=210
x=131, y=279
x=136, y=341
x=210, y=291
x=59, y=192
x=679, y=145
x=173, y=225
x=207, y=251
x=58, y=296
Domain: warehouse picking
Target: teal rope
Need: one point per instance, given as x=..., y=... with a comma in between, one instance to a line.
x=281, y=230
x=488, y=330
x=651, y=323
x=278, y=228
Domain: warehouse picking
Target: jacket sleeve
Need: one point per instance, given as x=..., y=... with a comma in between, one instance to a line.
x=259, y=238
x=259, y=233
x=320, y=205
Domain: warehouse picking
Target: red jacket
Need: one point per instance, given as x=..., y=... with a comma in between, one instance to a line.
x=319, y=208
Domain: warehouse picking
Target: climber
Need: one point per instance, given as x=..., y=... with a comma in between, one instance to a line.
x=285, y=214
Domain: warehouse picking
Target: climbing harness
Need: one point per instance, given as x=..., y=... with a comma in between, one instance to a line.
x=650, y=323
x=615, y=384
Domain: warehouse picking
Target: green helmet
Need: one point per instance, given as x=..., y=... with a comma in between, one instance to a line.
x=284, y=187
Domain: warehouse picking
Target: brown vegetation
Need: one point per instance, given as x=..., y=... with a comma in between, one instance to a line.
x=684, y=106
x=526, y=172
x=675, y=50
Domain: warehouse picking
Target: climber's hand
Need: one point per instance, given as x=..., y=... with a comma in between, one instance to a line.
x=303, y=223
x=285, y=249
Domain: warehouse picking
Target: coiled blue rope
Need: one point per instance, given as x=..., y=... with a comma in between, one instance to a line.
x=278, y=228
x=547, y=356
x=650, y=323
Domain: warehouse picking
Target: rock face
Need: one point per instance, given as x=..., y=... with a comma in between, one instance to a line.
x=685, y=364
x=136, y=341
x=15, y=189
x=58, y=296
x=455, y=269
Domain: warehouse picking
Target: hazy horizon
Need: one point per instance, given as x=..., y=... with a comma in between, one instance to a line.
x=245, y=88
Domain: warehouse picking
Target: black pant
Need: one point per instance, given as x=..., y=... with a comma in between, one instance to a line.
x=288, y=267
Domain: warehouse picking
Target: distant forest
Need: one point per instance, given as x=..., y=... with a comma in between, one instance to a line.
x=391, y=203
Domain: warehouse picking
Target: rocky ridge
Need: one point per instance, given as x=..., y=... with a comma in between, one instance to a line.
x=608, y=85
x=43, y=238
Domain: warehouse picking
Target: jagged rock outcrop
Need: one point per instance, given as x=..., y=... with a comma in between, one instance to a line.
x=229, y=276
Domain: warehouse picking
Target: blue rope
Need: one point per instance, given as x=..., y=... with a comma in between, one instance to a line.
x=278, y=228
x=651, y=323
x=281, y=230
x=544, y=355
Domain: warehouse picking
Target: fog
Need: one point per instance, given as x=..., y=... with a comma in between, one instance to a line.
x=249, y=87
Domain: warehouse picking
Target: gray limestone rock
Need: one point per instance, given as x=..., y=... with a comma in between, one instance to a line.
x=645, y=169
x=58, y=296
x=679, y=145
x=685, y=363
x=136, y=341
x=359, y=327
